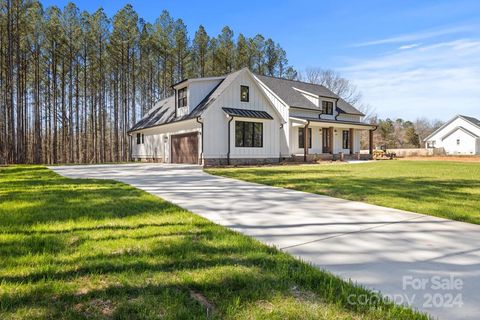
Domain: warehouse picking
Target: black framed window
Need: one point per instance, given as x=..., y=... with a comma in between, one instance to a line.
x=248, y=134
x=244, y=94
x=458, y=142
x=143, y=138
x=182, y=98
x=327, y=107
x=138, y=138
x=301, y=138
x=346, y=139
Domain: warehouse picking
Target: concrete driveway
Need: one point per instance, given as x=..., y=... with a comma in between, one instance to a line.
x=430, y=263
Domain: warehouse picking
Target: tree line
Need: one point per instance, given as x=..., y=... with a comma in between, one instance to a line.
x=400, y=133
x=72, y=82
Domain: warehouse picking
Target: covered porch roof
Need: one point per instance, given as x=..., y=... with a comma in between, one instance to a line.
x=315, y=122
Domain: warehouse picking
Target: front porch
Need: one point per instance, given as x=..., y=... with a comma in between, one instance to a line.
x=318, y=139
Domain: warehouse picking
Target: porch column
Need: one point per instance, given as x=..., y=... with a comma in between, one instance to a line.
x=351, y=140
x=330, y=134
x=305, y=142
x=370, y=141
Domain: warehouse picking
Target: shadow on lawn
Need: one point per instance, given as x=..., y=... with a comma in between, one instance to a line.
x=55, y=199
x=227, y=275
x=69, y=274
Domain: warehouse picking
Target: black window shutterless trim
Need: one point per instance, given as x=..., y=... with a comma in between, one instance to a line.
x=244, y=93
x=248, y=134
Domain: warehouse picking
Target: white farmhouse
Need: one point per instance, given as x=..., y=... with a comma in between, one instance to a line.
x=247, y=118
x=461, y=136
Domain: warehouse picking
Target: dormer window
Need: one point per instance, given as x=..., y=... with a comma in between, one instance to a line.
x=244, y=94
x=327, y=107
x=182, y=97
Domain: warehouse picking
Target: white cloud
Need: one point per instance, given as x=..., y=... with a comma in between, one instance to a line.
x=428, y=34
x=435, y=81
x=409, y=46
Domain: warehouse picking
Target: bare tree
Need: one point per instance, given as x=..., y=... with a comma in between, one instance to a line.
x=424, y=127
x=339, y=85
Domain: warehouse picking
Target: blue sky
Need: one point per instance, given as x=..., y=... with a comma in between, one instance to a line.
x=409, y=58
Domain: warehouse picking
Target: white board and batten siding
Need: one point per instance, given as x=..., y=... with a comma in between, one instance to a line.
x=216, y=122
x=198, y=90
x=157, y=140
x=284, y=111
x=454, y=140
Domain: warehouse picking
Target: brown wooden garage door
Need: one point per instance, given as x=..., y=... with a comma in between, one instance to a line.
x=185, y=148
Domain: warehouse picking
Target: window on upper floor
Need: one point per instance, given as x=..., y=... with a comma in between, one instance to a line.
x=182, y=97
x=458, y=142
x=327, y=107
x=301, y=138
x=244, y=94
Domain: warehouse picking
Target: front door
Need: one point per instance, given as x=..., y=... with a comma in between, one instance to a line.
x=325, y=140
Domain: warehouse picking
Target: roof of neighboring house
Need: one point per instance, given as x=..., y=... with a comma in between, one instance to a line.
x=471, y=120
x=246, y=113
x=460, y=128
x=164, y=111
x=285, y=90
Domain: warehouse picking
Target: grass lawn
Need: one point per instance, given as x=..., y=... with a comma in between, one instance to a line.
x=74, y=249
x=439, y=188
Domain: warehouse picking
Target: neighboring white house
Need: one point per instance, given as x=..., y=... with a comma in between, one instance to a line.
x=247, y=118
x=461, y=135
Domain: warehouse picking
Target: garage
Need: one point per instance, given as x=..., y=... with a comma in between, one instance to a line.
x=185, y=148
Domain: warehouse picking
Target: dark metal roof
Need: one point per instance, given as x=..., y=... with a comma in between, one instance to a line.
x=246, y=113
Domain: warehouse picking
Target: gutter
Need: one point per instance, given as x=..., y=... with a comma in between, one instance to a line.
x=201, y=123
x=229, y=129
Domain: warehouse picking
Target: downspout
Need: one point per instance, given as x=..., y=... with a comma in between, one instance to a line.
x=176, y=108
x=201, y=151
x=229, y=129
x=131, y=147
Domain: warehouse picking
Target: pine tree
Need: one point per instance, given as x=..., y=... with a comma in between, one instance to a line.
x=226, y=52
x=243, y=54
x=200, y=51
x=72, y=84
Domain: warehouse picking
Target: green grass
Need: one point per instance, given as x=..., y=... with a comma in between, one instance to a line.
x=98, y=249
x=444, y=189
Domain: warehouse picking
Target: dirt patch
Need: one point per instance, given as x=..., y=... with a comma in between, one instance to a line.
x=96, y=307
x=445, y=158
